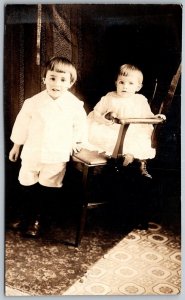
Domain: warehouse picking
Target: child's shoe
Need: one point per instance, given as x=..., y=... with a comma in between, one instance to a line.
x=34, y=229
x=15, y=224
x=143, y=169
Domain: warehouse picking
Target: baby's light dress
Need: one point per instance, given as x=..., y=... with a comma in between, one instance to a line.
x=138, y=137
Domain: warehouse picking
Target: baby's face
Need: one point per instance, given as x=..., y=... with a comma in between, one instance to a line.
x=128, y=85
x=57, y=83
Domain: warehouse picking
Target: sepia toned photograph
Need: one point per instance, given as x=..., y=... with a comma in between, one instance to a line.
x=92, y=135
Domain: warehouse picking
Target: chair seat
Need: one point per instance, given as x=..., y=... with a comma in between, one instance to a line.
x=90, y=157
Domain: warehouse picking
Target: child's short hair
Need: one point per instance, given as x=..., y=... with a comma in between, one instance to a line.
x=127, y=68
x=62, y=65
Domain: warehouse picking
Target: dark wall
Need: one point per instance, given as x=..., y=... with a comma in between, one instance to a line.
x=146, y=35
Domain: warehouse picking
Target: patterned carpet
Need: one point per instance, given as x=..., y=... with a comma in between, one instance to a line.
x=138, y=262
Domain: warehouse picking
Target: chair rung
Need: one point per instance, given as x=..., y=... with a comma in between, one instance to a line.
x=92, y=205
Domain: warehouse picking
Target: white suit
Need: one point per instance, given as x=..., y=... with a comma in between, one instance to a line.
x=48, y=128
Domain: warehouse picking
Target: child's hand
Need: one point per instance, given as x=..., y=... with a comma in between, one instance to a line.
x=112, y=117
x=77, y=147
x=14, y=153
x=161, y=116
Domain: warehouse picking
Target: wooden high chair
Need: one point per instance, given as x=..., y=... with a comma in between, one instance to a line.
x=92, y=159
x=87, y=160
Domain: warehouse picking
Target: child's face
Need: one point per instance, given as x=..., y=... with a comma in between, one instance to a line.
x=57, y=83
x=127, y=85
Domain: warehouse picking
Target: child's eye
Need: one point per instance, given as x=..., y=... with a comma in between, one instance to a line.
x=63, y=79
x=130, y=83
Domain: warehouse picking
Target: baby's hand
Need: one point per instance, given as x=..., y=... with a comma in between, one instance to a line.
x=106, y=120
x=112, y=117
x=77, y=147
x=161, y=116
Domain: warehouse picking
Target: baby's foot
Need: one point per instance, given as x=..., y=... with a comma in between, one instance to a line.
x=128, y=159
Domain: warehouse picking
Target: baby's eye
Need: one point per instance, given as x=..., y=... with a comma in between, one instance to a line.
x=62, y=79
x=121, y=82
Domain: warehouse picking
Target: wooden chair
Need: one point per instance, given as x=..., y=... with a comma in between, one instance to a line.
x=87, y=160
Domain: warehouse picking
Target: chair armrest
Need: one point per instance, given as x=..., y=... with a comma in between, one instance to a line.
x=142, y=121
x=124, y=127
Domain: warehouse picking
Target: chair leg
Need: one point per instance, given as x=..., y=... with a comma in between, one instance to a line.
x=81, y=225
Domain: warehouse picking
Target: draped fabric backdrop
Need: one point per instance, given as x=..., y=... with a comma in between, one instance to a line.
x=33, y=35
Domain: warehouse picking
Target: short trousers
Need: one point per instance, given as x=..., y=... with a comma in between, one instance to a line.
x=50, y=175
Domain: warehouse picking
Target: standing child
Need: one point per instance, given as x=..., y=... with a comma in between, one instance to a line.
x=50, y=126
x=121, y=104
